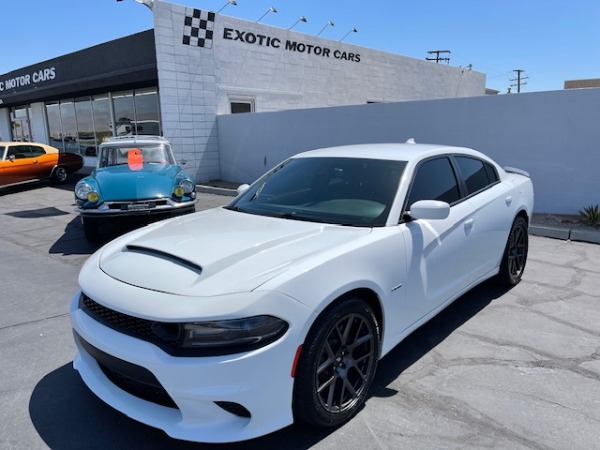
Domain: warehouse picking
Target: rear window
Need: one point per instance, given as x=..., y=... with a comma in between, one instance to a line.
x=476, y=173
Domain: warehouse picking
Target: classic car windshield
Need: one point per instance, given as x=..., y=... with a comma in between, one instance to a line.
x=147, y=154
x=345, y=191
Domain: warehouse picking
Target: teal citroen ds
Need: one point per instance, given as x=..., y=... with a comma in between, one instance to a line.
x=136, y=181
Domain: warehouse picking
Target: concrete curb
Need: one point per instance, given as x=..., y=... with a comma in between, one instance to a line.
x=215, y=190
x=591, y=236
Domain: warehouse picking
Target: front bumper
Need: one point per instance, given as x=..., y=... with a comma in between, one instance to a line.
x=260, y=380
x=142, y=207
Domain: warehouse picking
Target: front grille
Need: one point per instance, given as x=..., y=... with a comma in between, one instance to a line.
x=132, y=326
x=133, y=379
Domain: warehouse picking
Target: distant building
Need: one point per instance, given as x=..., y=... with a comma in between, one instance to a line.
x=580, y=84
x=194, y=65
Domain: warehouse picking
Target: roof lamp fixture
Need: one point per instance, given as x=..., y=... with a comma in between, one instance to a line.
x=352, y=30
x=229, y=2
x=328, y=24
x=271, y=9
x=301, y=19
x=148, y=3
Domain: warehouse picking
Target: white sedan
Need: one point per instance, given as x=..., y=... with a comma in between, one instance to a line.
x=234, y=322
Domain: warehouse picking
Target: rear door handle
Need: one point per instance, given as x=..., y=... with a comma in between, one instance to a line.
x=508, y=200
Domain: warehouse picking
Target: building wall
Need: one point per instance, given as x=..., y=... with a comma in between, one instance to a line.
x=277, y=68
x=552, y=135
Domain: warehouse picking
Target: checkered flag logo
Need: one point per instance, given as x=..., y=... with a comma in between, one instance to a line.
x=198, y=28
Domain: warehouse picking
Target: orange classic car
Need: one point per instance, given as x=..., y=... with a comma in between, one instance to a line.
x=29, y=161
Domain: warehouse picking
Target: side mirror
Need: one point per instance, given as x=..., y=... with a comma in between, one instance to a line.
x=430, y=210
x=242, y=188
x=11, y=158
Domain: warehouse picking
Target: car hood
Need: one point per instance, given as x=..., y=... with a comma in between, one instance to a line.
x=122, y=183
x=218, y=252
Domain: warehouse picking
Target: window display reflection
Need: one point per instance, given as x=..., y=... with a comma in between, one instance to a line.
x=81, y=125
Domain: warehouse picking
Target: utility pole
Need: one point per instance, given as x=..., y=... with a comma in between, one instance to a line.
x=520, y=80
x=438, y=58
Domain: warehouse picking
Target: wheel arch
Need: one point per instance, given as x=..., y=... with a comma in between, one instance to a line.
x=370, y=297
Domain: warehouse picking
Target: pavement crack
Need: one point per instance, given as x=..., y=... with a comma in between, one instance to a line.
x=7, y=327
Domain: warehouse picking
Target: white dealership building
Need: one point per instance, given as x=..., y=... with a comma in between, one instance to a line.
x=194, y=65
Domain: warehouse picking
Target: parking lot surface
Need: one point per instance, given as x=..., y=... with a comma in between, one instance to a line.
x=501, y=369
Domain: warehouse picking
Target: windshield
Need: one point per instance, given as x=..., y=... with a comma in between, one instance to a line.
x=146, y=154
x=344, y=191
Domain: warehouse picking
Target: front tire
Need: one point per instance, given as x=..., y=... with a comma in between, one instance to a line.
x=337, y=364
x=515, y=253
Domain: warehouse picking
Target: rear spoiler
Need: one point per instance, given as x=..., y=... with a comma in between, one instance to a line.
x=517, y=171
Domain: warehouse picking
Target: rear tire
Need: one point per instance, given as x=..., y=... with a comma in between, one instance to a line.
x=60, y=175
x=515, y=253
x=91, y=230
x=337, y=364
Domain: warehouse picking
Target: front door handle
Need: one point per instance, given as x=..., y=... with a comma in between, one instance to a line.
x=469, y=224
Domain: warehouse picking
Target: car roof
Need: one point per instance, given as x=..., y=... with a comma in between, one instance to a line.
x=137, y=140
x=20, y=143
x=394, y=152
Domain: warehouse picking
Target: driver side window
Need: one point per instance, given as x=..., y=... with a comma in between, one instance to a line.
x=434, y=180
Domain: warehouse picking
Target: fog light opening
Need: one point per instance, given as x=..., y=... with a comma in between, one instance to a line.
x=234, y=408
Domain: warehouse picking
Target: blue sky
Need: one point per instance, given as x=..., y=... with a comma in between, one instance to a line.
x=552, y=40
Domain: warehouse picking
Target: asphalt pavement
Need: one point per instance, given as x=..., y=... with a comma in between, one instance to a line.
x=500, y=369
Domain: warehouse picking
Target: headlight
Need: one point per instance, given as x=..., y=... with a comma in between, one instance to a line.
x=236, y=335
x=84, y=191
x=185, y=187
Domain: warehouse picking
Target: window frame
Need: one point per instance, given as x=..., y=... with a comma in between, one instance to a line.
x=486, y=165
x=462, y=187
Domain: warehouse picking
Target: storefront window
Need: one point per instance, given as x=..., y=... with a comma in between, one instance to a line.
x=86, y=136
x=21, y=130
x=124, y=113
x=81, y=125
x=146, y=109
x=69, y=126
x=102, y=121
x=54, y=125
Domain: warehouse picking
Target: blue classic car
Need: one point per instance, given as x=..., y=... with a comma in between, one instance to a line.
x=136, y=178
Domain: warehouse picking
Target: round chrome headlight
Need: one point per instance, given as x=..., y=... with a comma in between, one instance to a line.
x=187, y=186
x=82, y=190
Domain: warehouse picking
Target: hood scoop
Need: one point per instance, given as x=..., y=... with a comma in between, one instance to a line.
x=184, y=263
x=151, y=268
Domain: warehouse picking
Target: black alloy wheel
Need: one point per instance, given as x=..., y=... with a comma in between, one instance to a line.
x=515, y=253
x=337, y=364
x=60, y=175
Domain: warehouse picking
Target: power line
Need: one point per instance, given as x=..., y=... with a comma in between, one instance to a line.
x=520, y=80
x=438, y=58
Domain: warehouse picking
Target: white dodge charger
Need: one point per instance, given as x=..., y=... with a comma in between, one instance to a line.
x=234, y=322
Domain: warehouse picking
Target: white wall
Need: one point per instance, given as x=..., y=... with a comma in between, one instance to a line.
x=196, y=82
x=553, y=135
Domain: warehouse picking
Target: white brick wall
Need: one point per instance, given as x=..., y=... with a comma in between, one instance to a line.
x=196, y=83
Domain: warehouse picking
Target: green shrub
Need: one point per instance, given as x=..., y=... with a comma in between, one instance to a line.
x=590, y=215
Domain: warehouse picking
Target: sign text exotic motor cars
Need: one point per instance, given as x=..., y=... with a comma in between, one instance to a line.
x=300, y=47
x=28, y=78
